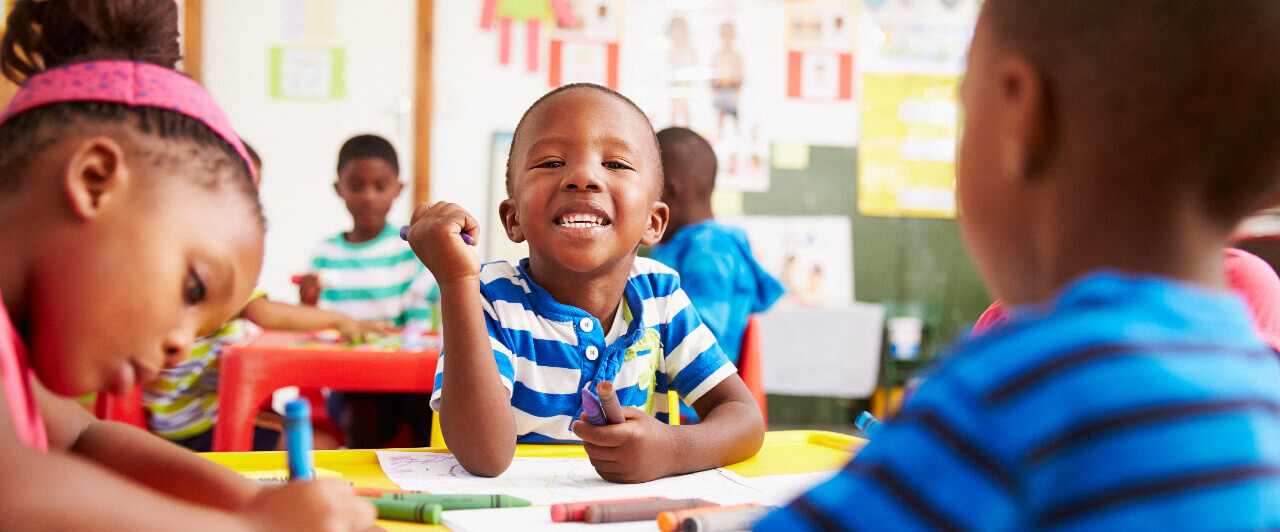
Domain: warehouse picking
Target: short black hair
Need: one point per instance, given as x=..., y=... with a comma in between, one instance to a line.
x=687, y=158
x=46, y=34
x=362, y=146
x=520, y=126
x=1182, y=92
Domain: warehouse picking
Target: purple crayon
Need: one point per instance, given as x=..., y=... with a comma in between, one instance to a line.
x=404, y=235
x=591, y=407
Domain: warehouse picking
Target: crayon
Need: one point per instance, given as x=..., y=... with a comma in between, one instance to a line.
x=460, y=502
x=466, y=237
x=637, y=511
x=672, y=521
x=609, y=404
x=297, y=433
x=574, y=511
x=379, y=492
x=413, y=512
x=868, y=423
x=591, y=407
x=721, y=521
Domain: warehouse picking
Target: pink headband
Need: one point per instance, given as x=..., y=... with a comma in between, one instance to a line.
x=135, y=84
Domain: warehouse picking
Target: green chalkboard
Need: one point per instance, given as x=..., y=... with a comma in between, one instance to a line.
x=917, y=266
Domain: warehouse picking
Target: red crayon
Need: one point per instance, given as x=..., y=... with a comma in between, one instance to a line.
x=378, y=492
x=576, y=511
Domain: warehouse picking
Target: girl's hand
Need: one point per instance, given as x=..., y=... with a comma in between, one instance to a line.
x=638, y=450
x=325, y=504
x=435, y=236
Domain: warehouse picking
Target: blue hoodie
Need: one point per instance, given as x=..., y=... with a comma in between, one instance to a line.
x=722, y=278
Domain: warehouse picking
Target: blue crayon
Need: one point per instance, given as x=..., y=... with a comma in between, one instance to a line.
x=868, y=424
x=404, y=235
x=591, y=407
x=297, y=433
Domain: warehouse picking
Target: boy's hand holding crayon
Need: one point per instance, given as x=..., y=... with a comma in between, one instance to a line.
x=308, y=289
x=630, y=446
x=360, y=331
x=435, y=235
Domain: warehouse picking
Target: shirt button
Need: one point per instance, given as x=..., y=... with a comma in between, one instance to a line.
x=592, y=352
x=586, y=324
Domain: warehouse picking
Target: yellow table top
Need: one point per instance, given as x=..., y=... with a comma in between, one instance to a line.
x=786, y=452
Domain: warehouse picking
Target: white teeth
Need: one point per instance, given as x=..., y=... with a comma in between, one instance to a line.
x=581, y=220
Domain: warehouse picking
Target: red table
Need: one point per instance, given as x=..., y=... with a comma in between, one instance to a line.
x=249, y=373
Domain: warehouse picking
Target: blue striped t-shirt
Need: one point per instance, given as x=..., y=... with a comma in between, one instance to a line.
x=1127, y=403
x=547, y=351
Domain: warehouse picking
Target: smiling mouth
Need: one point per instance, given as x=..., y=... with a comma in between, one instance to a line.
x=581, y=220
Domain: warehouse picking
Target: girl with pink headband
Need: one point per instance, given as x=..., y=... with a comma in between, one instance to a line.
x=131, y=226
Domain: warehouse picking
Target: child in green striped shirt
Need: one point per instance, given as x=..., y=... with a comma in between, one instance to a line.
x=369, y=273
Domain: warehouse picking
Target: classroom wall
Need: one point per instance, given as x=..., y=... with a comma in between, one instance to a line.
x=299, y=140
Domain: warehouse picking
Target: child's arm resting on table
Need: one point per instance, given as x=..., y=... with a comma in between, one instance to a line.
x=475, y=407
x=275, y=315
x=643, y=448
x=129, y=486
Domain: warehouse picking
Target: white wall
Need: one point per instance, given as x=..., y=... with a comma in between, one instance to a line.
x=299, y=141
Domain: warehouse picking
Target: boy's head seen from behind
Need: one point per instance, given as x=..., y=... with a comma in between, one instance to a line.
x=584, y=178
x=1147, y=114
x=689, y=170
x=144, y=215
x=368, y=181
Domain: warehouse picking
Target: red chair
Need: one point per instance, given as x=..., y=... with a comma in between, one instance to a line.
x=127, y=409
x=751, y=367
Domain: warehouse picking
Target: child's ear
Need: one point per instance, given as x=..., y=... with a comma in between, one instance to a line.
x=96, y=176
x=657, y=224
x=399, y=188
x=1030, y=128
x=507, y=212
x=337, y=189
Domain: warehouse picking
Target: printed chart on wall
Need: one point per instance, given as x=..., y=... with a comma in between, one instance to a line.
x=820, y=50
x=811, y=255
x=906, y=165
x=584, y=45
x=700, y=80
x=914, y=53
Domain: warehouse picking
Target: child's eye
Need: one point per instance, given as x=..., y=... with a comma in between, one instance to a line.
x=193, y=289
x=614, y=165
x=550, y=164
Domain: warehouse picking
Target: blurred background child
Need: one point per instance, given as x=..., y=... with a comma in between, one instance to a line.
x=370, y=274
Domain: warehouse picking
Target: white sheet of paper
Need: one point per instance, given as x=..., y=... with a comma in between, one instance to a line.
x=529, y=519
x=553, y=480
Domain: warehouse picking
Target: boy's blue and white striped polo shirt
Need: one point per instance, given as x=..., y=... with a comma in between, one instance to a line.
x=547, y=351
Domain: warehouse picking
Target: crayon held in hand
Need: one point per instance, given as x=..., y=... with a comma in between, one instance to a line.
x=297, y=434
x=576, y=511
x=379, y=492
x=609, y=404
x=413, y=512
x=460, y=502
x=404, y=235
x=591, y=407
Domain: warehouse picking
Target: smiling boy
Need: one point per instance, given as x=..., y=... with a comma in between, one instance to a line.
x=584, y=177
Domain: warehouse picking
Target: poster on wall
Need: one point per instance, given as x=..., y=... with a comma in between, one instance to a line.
x=821, y=37
x=696, y=76
x=584, y=48
x=906, y=164
x=919, y=35
x=811, y=255
x=308, y=73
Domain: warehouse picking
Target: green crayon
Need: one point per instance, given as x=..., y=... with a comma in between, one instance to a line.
x=412, y=512
x=460, y=502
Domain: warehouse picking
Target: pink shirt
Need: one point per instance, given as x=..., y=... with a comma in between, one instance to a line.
x=1247, y=274
x=16, y=377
